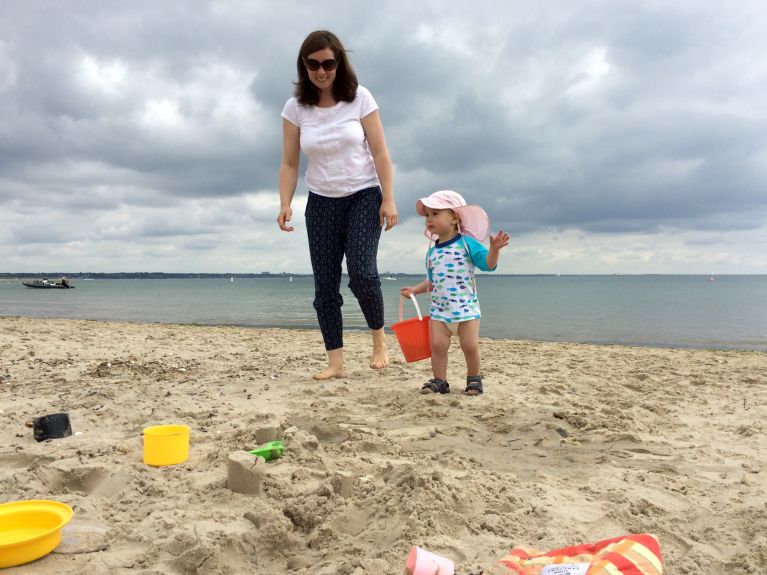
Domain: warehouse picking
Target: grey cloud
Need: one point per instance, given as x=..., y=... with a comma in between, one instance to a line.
x=610, y=119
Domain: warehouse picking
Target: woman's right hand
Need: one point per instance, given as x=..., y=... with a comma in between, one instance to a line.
x=406, y=292
x=282, y=220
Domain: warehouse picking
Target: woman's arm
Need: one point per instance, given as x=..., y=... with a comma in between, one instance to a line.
x=291, y=155
x=375, y=135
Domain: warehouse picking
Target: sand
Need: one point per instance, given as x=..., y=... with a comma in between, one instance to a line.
x=570, y=444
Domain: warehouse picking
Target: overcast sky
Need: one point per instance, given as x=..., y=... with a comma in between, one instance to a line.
x=604, y=136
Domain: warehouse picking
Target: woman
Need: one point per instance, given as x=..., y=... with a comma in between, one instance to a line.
x=335, y=122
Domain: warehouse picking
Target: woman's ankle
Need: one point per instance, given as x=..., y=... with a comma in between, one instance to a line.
x=380, y=357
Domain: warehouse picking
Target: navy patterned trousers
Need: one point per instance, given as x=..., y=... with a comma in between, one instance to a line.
x=338, y=227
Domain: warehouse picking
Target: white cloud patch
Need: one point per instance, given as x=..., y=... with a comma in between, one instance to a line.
x=8, y=72
x=108, y=78
x=588, y=74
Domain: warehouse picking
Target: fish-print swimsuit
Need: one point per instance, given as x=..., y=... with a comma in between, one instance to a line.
x=450, y=267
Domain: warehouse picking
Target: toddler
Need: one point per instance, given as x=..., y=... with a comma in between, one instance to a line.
x=458, y=230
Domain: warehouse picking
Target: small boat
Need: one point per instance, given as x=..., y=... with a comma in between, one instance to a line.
x=390, y=278
x=45, y=284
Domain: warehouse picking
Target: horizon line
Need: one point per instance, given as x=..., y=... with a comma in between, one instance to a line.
x=16, y=275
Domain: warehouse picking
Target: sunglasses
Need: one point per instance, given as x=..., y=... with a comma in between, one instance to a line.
x=327, y=65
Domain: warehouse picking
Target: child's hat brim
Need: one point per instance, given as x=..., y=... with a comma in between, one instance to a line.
x=474, y=221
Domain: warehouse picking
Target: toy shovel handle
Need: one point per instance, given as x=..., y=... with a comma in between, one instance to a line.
x=415, y=303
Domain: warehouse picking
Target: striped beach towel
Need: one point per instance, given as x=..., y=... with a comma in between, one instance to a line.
x=625, y=555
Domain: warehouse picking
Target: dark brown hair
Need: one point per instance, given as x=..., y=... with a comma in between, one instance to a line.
x=345, y=83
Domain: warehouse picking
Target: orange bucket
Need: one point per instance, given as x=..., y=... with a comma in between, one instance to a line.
x=414, y=334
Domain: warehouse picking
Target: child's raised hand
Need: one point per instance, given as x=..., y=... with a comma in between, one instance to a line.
x=406, y=292
x=500, y=240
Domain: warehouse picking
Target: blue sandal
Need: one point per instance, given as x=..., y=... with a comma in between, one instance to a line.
x=473, y=385
x=436, y=385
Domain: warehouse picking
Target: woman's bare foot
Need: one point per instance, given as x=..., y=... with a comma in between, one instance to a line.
x=335, y=368
x=380, y=357
x=330, y=372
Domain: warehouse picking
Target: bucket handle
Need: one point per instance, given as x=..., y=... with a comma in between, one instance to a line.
x=415, y=303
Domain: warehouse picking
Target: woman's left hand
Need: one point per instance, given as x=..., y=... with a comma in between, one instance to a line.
x=388, y=214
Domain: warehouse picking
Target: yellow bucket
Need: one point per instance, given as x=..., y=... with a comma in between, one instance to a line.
x=30, y=530
x=166, y=445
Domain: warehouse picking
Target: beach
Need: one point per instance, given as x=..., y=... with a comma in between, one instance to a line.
x=571, y=443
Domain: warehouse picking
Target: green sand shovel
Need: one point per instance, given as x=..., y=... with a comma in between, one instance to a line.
x=269, y=451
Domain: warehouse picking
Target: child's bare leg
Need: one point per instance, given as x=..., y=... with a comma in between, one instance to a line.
x=380, y=358
x=335, y=366
x=440, y=344
x=468, y=336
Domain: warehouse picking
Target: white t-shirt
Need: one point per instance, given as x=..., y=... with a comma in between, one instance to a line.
x=339, y=160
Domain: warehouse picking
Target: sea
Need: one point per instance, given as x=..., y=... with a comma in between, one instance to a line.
x=681, y=311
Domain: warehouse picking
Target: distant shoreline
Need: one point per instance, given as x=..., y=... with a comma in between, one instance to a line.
x=270, y=275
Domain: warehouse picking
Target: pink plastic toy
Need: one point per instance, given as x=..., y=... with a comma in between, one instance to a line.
x=422, y=562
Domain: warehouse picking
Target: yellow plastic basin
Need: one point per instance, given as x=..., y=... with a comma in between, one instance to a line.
x=30, y=530
x=166, y=445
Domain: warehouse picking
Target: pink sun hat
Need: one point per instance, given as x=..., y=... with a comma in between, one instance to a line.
x=474, y=221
